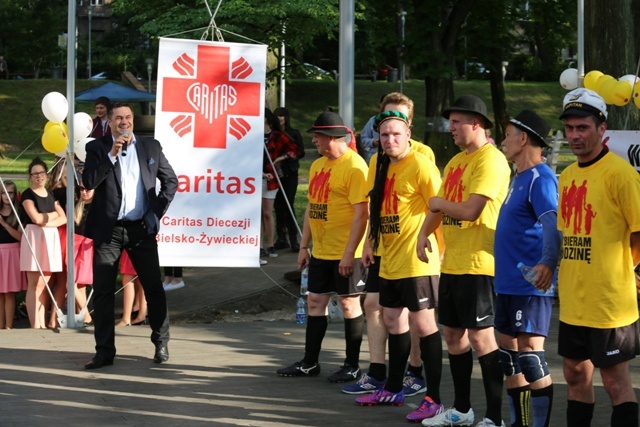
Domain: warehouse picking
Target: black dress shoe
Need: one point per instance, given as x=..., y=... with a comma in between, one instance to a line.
x=98, y=362
x=280, y=244
x=162, y=353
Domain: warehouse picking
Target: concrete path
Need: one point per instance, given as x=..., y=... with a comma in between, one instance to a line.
x=219, y=374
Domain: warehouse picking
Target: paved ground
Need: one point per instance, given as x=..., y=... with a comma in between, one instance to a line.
x=219, y=374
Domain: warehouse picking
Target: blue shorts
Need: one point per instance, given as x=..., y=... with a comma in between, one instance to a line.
x=523, y=314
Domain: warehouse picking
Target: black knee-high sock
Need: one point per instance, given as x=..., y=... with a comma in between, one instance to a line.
x=431, y=355
x=493, y=379
x=541, y=403
x=353, y=330
x=625, y=415
x=415, y=370
x=461, y=366
x=378, y=371
x=399, y=349
x=316, y=328
x=579, y=414
x=519, y=404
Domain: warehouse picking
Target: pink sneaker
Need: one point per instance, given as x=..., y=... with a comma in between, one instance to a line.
x=427, y=409
x=381, y=396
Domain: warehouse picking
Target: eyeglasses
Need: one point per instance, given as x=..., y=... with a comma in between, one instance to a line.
x=36, y=174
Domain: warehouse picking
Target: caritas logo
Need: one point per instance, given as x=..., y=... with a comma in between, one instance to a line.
x=211, y=98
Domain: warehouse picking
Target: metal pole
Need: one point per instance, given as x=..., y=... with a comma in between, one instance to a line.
x=403, y=18
x=580, y=42
x=282, y=80
x=149, y=72
x=346, y=61
x=71, y=90
x=89, y=15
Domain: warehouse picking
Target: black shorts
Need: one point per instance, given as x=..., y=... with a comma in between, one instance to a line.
x=372, y=282
x=415, y=293
x=604, y=347
x=466, y=301
x=324, y=278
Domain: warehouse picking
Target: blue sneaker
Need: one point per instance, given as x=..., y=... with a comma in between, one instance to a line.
x=412, y=385
x=364, y=385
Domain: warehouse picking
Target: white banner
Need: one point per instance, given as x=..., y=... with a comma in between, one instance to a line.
x=625, y=144
x=210, y=121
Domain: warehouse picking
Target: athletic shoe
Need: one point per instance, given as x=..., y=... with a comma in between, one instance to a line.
x=427, y=409
x=300, y=369
x=272, y=252
x=364, y=385
x=263, y=262
x=412, y=385
x=381, y=397
x=173, y=286
x=450, y=417
x=488, y=423
x=344, y=374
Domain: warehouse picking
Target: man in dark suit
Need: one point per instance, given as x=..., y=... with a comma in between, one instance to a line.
x=125, y=214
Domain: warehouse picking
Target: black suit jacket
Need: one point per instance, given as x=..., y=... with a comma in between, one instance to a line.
x=103, y=176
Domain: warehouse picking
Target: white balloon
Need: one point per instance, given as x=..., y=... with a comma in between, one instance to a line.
x=79, y=148
x=55, y=107
x=569, y=79
x=82, y=125
x=631, y=78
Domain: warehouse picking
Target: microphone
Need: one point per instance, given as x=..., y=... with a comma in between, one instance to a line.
x=125, y=133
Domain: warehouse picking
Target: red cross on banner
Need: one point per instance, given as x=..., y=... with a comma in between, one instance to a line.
x=212, y=97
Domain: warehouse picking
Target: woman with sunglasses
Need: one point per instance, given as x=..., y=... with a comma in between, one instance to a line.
x=40, y=252
x=12, y=280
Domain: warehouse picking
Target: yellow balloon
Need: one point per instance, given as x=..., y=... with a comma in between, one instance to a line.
x=591, y=78
x=603, y=78
x=55, y=139
x=636, y=94
x=63, y=125
x=622, y=93
x=607, y=89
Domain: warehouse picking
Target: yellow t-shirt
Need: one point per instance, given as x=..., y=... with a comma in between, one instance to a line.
x=470, y=243
x=599, y=208
x=416, y=146
x=409, y=185
x=335, y=186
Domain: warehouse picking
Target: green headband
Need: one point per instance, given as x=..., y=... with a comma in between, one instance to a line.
x=389, y=115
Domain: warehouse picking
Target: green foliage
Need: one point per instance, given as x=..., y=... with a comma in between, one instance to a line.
x=29, y=34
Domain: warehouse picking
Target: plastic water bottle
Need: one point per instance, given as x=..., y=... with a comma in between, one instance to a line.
x=530, y=276
x=301, y=311
x=304, y=281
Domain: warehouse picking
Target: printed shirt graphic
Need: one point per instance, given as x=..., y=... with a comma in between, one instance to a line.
x=334, y=187
x=470, y=243
x=533, y=193
x=409, y=185
x=599, y=208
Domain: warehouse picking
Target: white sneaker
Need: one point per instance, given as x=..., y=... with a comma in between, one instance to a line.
x=173, y=286
x=488, y=423
x=263, y=261
x=450, y=417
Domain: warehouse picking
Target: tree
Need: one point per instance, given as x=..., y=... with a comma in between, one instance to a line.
x=432, y=39
x=29, y=34
x=611, y=46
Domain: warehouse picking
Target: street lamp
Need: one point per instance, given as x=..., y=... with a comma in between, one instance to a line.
x=403, y=17
x=149, y=62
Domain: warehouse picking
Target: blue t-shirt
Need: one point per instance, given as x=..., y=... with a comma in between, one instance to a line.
x=518, y=238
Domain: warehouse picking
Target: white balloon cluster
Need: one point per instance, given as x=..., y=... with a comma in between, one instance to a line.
x=55, y=137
